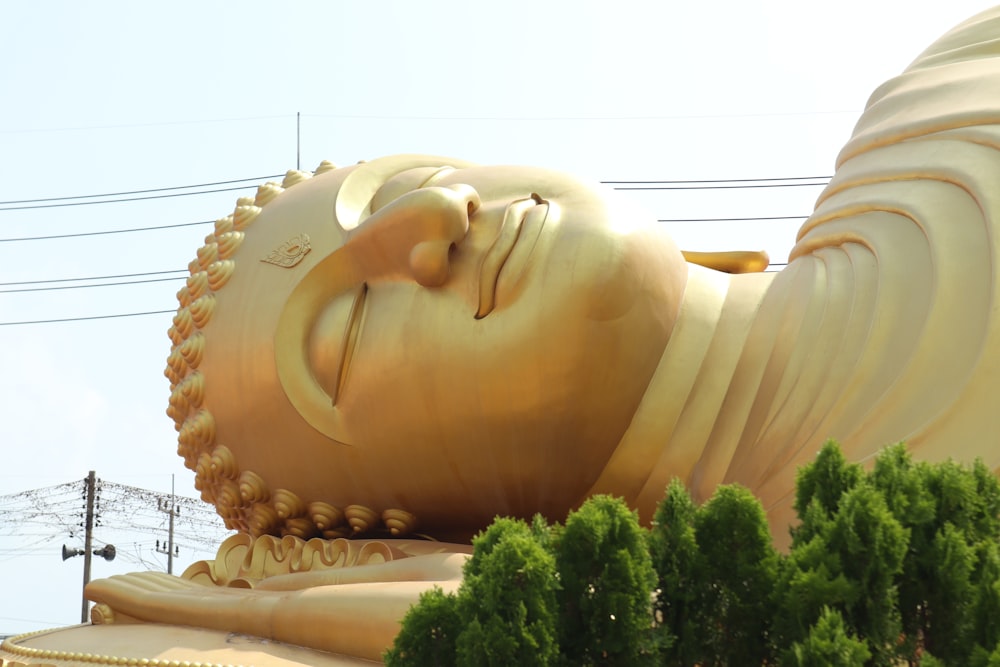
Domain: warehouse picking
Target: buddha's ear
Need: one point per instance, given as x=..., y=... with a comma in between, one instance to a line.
x=735, y=261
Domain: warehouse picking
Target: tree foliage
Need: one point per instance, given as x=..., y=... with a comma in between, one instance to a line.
x=828, y=644
x=674, y=550
x=429, y=631
x=607, y=579
x=896, y=565
x=508, y=600
x=738, y=566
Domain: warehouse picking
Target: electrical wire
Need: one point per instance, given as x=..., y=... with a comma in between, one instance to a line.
x=31, y=620
x=737, y=186
x=703, y=184
x=87, y=318
x=138, y=192
x=137, y=125
x=184, y=271
x=144, y=278
x=791, y=181
x=116, y=201
x=258, y=179
x=70, y=280
x=760, y=218
x=721, y=180
x=654, y=185
x=64, y=287
x=770, y=267
x=109, y=231
x=209, y=222
x=581, y=118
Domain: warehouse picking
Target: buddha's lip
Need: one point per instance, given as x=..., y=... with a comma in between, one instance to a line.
x=495, y=258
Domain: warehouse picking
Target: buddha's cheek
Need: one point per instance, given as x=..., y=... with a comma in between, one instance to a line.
x=637, y=279
x=611, y=297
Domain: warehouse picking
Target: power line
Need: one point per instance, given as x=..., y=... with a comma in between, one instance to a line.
x=116, y=201
x=138, y=192
x=209, y=222
x=64, y=287
x=109, y=231
x=185, y=271
x=155, y=312
x=145, y=275
x=721, y=180
x=91, y=317
x=736, y=186
x=137, y=125
x=580, y=118
x=760, y=218
x=703, y=184
x=31, y=620
x=69, y=280
x=734, y=183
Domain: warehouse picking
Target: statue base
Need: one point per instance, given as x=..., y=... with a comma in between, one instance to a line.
x=155, y=645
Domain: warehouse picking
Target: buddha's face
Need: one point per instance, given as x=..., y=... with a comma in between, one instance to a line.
x=493, y=322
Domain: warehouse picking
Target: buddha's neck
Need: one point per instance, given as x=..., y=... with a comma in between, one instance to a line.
x=759, y=387
x=692, y=388
x=747, y=363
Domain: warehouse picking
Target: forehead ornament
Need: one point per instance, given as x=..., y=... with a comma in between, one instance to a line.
x=289, y=253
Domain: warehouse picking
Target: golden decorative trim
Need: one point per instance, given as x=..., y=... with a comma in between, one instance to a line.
x=242, y=560
x=228, y=243
x=294, y=176
x=219, y=273
x=324, y=167
x=223, y=225
x=192, y=349
x=266, y=193
x=208, y=253
x=10, y=645
x=197, y=284
x=244, y=215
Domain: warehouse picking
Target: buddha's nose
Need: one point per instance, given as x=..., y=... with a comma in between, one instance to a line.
x=416, y=232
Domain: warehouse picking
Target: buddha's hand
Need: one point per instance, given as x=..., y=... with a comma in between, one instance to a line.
x=365, y=602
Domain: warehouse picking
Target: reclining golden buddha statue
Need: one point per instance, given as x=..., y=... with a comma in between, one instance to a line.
x=407, y=347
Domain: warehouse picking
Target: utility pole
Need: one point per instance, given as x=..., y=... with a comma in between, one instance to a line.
x=88, y=542
x=168, y=546
x=107, y=552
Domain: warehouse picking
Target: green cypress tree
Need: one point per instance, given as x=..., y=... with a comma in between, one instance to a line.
x=828, y=645
x=508, y=600
x=810, y=579
x=739, y=567
x=674, y=551
x=607, y=581
x=824, y=481
x=904, y=486
x=983, y=636
x=871, y=545
x=950, y=511
x=428, y=633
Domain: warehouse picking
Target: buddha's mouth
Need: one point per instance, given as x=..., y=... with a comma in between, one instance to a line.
x=519, y=228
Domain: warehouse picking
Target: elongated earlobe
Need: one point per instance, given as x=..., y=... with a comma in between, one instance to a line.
x=734, y=261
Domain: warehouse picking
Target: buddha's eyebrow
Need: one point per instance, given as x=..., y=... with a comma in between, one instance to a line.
x=437, y=176
x=404, y=183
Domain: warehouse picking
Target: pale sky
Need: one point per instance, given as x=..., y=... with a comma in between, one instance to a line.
x=113, y=97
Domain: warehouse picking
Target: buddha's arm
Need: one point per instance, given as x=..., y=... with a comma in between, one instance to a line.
x=355, y=611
